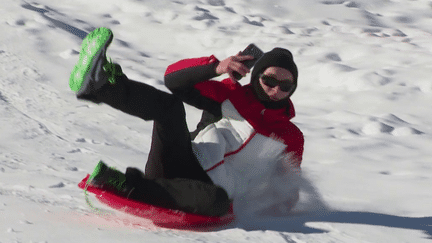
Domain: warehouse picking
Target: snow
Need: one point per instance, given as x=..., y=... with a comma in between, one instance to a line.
x=363, y=104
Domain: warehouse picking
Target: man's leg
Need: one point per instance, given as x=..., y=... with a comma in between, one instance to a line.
x=186, y=185
x=171, y=153
x=189, y=195
x=97, y=79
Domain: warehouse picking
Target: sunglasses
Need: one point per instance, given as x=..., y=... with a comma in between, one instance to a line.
x=285, y=85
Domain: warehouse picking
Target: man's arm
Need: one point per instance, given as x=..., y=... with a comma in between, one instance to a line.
x=190, y=79
x=182, y=76
x=188, y=72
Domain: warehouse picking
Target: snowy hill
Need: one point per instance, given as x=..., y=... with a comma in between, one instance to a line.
x=363, y=104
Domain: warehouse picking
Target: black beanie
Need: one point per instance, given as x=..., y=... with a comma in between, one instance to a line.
x=278, y=57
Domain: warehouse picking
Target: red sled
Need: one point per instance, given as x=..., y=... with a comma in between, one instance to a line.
x=163, y=217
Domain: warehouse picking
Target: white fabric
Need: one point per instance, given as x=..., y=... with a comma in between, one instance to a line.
x=233, y=154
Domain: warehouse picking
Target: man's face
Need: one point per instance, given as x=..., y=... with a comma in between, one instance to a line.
x=280, y=74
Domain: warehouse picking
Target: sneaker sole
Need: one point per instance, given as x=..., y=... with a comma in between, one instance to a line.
x=96, y=41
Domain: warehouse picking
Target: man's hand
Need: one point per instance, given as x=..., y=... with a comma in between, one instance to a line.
x=234, y=64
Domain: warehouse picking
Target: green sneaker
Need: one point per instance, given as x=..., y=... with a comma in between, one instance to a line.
x=108, y=179
x=93, y=70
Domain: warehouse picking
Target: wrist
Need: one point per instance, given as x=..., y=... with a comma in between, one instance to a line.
x=218, y=69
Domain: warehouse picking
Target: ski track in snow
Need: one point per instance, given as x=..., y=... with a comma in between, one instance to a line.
x=362, y=103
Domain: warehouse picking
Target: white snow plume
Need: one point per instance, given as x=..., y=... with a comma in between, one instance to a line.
x=280, y=188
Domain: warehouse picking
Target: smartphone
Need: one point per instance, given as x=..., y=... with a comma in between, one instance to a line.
x=254, y=51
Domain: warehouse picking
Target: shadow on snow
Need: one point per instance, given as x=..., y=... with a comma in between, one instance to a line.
x=297, y=222
x=59, y=24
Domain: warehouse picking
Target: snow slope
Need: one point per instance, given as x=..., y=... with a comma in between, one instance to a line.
x=363, y=103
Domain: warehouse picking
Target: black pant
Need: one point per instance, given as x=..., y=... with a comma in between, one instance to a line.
x=171, y=153
x=173, y=177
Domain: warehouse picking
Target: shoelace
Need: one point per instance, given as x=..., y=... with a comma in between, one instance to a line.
x=96, y=210
x=112, y=181
x=119, y=185
x=112, y=71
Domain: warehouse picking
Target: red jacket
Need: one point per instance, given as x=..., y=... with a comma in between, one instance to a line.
x=248, y=138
